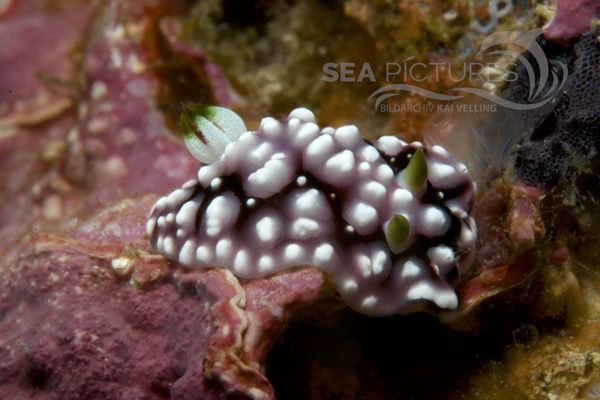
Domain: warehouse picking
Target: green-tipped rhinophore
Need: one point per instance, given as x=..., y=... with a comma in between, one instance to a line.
x=208, y=129
x=397, y=230
x=415, y=174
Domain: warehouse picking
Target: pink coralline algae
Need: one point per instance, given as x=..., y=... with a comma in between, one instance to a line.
x=390, y=222
x=85, y=310
x=572, y=18
x=184, y=334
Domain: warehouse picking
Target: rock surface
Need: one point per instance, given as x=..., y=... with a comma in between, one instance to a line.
x=79, y=292
x=87, y=102
x=161, y=333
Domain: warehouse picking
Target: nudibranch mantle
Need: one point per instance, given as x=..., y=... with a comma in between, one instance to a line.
x=390, y=223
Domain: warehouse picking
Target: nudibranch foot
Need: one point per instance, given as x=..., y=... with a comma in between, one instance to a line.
x=390, y=222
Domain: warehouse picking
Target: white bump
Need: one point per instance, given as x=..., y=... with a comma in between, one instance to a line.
x=373, y=191
x=440, y=172
x=447, y=300
x=307, y=133
x=401, y=199
x=269, y=179
x=251, y=202
x=462, y=167
x=380, y=261
x=204, y=254
x=270, y=126
x=221, y=213
x=347, y=136
x=186, y=216
x=301, y=180
x=364, y=265
x=267, y=229
x=309, y=204
x=162, y=222
x=231, y=151
x=293, y=253
x=170, y=218
x=350, y=286
x=216, y=183
x=440, y=151
x=189, y=184
x=328, y=130
x=426, y=291
x=384, y=173
x=241, y=262
x=421, y=291
x=433, y=221
x=223, y=250
x=369, y=153
x=176, y=197
x=160, y=205
x=150, y=225
x=303, y=114
x=187, y=253
x=362, y=217
x=160, y=242
x=169, y=247
x=364, y=168
x=236, y=152
x=305, y=228
x=207, y=173
x=442, y=256
x=369, y=302
x=349, y=229
x=248, y=137
x=266, y=264
x=293, y=124
x=318, y=151
x=180, y=233
x=409, y=268
x=323, y=253
x=390, y=145
x=467, y=237
x=261, y=154
x=339, y=167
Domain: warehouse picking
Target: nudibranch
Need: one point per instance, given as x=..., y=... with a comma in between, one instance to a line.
x=390, y=222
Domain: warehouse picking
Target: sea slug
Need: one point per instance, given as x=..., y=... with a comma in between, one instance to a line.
x=390, y=222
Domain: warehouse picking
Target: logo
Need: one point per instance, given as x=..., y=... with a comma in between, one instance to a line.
x=543, y=79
